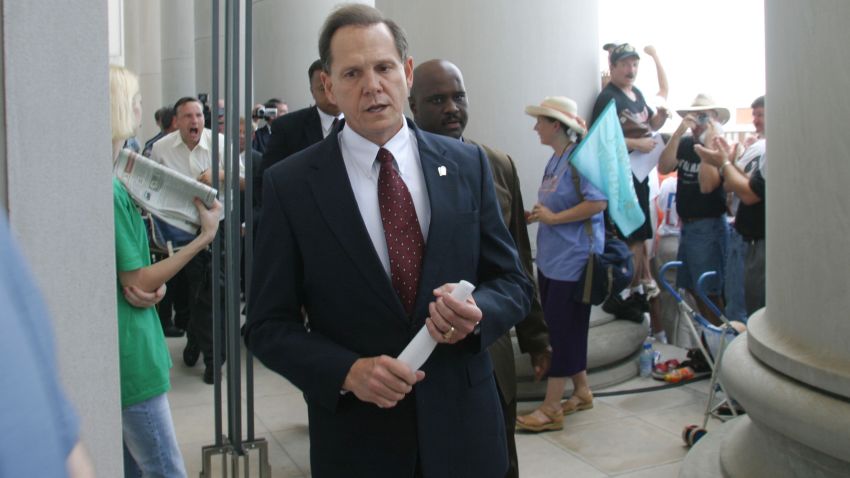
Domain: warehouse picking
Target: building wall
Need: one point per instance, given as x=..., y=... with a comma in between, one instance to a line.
x=58, y=179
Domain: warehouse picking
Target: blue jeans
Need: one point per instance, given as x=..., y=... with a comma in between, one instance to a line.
x=702, y=248
x=150, y=444
x=736, y=250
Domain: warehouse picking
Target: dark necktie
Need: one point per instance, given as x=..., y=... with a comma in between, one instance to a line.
x=405, y=244
x=333, y=125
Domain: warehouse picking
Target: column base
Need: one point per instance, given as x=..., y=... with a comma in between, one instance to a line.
x=791, y=429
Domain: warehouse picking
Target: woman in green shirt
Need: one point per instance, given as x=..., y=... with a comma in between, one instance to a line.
x=150, y=445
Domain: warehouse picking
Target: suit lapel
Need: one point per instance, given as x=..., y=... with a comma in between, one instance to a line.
x=335, y=200
x=441, y=189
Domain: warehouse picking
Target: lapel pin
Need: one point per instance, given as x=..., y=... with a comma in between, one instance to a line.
x=441, y=170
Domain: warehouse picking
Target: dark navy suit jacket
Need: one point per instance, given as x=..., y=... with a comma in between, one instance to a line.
x=313, y=251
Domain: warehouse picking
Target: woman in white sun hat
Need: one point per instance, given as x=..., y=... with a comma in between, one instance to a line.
x=563, y=247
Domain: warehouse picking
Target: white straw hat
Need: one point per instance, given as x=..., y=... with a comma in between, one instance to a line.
x=562, y=109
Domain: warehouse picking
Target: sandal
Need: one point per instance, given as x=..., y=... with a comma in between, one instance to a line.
x=576, y=404
x=533, y=424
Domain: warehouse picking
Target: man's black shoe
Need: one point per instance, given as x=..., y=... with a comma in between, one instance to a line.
x=208, y=375
x=172, y=331
x=191, y=354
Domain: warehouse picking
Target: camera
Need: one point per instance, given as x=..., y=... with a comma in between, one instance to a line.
x=202, y=97
x=703, y=118
x=265, y=113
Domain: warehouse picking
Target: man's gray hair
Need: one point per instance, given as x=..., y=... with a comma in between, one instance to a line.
x=359, y=15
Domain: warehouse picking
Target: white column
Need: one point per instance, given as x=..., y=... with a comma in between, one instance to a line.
x=149, y=66
x=512, y=54
x=792, y=371
x=60, y=198
x=203, y=47
x=286, y=42
x=178, y=50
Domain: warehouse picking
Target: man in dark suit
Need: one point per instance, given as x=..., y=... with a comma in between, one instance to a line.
x=343, y=237
x=297, y=130
x=439, y=103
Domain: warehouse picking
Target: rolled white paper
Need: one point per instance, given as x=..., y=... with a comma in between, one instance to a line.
x=420, y=348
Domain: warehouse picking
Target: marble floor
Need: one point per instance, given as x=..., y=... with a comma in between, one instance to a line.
x=630, y=435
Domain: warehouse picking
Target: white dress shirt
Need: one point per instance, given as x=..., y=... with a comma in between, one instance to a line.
x=327, y=121
x=172, y=152
x=359, y=155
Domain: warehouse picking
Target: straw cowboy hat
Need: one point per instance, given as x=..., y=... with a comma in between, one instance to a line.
x=706, y=103
x=562, y=109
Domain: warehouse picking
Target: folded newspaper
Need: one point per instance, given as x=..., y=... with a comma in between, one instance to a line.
x=163, y=192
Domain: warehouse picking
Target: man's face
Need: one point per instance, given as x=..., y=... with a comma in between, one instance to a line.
x=368, y=80
x=190, y=122
x=317, y=89
x=282, y=109
x=624, y=72
x=758, y=120
x=439, y=101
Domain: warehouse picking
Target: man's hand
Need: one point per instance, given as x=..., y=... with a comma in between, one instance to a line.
x=206, y=177
x=719, y=153
x=141, y=299
x=382, y=380
x=209, y=218
x=688, y=122
x=541, y=361
x=451, y=320
x=644, y=145
x=650, y=50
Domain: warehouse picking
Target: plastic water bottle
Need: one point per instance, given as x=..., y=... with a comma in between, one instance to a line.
x=646, y=360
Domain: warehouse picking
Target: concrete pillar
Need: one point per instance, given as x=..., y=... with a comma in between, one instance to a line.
x=792, y=371
x=512, y=55
x=149, y=66
x=178, y=50
x=286, y=41
x=59, y=187
x=203, y=47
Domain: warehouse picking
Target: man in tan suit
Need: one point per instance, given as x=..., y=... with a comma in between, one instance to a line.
x=439, y=104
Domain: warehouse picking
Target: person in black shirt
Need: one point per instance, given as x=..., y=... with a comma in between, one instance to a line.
x=701, y=201
x=749, y=220
x=639, y=122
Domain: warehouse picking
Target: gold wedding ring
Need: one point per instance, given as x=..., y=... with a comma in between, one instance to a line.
x=448, y=335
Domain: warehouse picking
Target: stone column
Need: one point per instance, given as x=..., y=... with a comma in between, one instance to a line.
x=203, y=47
x=177, y=50
x=142, y=44
x=286, y=41
x=59, y=188
x=792, y=371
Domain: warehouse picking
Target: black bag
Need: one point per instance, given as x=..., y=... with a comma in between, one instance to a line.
x=606, y=274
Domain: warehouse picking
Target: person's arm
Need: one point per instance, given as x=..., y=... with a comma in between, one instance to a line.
x=644, y=145
x=709, y=176
x=663, y=85
x=152, y=277
x=579, y=212
x=668, y=161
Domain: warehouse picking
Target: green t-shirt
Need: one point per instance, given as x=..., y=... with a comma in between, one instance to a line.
x=144, y=360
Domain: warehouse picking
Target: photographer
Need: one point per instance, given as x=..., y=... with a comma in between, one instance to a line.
x=268, y=112
x=700, y=201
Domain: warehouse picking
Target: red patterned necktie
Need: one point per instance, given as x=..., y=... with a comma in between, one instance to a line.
x=405, y=244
